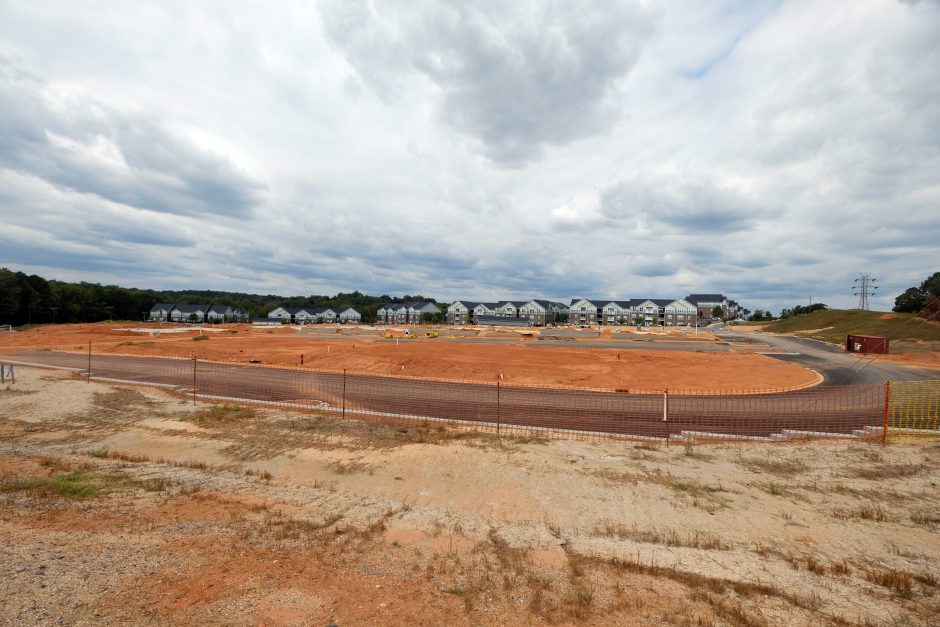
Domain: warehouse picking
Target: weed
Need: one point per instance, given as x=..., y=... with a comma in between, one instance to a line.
x=864, y=512
x=668, y=537
x=886, y=471
x=839, y=568
x=348, y=468
x=773, y=489
x=926, y=518
x=77, y=485
x=814, y=566
x=223, y=414
x=99, y=453
x=780, y=467
x=898, y=581
x=200, y=338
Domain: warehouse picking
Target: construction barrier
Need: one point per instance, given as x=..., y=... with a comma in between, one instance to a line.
x=913, y=409
x=666, y=416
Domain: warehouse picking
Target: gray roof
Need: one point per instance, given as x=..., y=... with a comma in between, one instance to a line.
x=706, y=298
x=159, y=306
x=469, y=304
x=219, y=308
x=191, y=308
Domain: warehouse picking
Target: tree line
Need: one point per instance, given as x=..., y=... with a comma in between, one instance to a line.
x=31, y=299
x=923, y=299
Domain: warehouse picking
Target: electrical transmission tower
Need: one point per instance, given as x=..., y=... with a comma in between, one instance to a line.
x=863, y=288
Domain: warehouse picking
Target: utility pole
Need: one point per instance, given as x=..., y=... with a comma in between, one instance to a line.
x=864, y=288
x=109, y=308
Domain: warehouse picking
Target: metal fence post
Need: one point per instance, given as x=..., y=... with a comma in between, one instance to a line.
x=89, y=361
x=194, y=379
x=666, y=413
x=3, y=376
x=884, y=425
x=497, y=408
x=344, y=394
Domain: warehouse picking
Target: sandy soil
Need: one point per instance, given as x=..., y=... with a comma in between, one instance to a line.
x=466, y=360
x=219, y=515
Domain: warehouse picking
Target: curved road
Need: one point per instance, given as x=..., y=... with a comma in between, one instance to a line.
x=836, y=366
x=819, y=410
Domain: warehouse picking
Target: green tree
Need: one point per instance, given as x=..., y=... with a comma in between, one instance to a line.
x=912, y=300
x=718, y=312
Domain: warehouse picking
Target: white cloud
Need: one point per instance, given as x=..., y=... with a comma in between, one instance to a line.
x=770, y=150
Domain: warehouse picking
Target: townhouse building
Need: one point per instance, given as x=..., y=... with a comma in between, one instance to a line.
x=314, y=315
x=406, y=313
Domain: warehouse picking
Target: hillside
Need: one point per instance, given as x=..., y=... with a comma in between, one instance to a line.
x=832, y=325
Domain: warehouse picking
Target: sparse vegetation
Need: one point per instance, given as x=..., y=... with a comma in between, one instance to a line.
x=666, y=537
x=899, y=582
x=881, y=472
x=781, y=467
x=223, y=414
x=76, y=484
x=866, y=511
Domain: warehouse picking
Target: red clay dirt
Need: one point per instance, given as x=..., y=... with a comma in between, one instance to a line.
x=468, y=360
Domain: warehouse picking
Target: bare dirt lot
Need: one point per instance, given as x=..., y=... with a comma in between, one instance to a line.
x=122, y=505
x=464, y=360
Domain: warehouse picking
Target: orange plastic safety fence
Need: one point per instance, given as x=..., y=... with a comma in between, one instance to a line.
x=844, y=412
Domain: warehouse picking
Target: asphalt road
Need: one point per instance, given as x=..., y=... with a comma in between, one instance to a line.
x=837, y=366
x=818, y=410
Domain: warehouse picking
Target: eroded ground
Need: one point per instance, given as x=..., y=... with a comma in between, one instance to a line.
x=131, y=506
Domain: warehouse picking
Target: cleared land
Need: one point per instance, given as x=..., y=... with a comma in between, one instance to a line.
x=130, y=506
x=518, y=361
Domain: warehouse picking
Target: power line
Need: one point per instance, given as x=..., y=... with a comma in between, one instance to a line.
x=864, y=288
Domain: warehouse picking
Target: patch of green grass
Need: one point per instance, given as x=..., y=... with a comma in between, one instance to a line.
x=77, y=485
x=99, y=453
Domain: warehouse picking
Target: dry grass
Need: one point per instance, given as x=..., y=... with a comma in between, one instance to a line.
x=882, y=472
x=864, y=512
x=349, y=468
x=223, y=415
x=666, y=537
x=779, y=467
x=926, y=518
x=899, y=582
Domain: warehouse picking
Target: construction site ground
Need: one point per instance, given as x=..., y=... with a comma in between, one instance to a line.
x=610, y=360
x=121, y=505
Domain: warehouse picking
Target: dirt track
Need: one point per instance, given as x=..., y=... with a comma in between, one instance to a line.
x=814, y=411
x=440, y=358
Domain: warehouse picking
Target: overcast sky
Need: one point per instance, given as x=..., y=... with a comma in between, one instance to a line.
x=767, y=150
